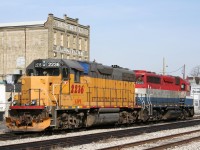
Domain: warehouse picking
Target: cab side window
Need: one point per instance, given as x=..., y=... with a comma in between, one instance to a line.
x=139, y=81
x=65, y=73
x=76, y=76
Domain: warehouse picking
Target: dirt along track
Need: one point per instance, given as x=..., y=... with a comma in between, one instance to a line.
x=89, y=138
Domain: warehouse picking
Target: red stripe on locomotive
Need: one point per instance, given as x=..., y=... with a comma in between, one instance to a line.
x=27, y=107
x=146, y=79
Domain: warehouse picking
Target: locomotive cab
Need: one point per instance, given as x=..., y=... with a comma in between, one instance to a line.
x=41, y=90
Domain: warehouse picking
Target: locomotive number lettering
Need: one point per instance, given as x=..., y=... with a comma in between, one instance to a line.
x=77, y=89
x=53, y=64
x=38, y=64
x=77, y=101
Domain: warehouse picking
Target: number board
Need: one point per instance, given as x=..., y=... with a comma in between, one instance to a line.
x=38, y=64
x=47, y=64
x=53, y=64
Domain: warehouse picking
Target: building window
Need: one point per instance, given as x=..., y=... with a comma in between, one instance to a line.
x=54, y=38
x=86, y=45
x=67, y=56
x=74, y=42
x=61, y=39
x=62, y=56
x=68, y=41
x=79, y=43
x=55, y=54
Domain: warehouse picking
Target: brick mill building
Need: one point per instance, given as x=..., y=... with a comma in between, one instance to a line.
x=21, y=43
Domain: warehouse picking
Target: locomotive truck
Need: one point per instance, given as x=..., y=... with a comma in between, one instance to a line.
x=68, y=94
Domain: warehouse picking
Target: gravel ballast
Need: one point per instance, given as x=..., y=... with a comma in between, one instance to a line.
x=112, y=141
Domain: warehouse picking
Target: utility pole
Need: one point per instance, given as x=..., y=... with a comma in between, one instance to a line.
x=163, y=65
x=184, y=71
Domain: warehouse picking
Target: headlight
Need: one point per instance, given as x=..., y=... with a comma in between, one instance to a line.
x=14, y=103
x=33, y=102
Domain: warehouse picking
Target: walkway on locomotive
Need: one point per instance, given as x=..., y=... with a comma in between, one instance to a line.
x=70, y=83
x=161, y=90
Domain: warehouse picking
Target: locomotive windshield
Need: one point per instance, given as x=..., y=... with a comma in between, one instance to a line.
x=43, y=72
x=47, y=72
x=139, y=79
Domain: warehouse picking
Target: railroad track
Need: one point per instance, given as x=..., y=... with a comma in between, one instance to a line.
x=13, y=136
x=160, y=143
x=7, y=136
x=85, y=139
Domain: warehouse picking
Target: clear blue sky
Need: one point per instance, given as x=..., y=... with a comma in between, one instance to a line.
x=135, y=34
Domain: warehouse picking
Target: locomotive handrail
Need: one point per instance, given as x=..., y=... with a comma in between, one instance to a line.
x=48, y=98
x=39, y=94
x=142, y=99
x=54, y=93
x=29, y=90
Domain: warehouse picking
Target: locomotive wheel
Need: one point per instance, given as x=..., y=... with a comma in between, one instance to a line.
x=159, y=115
x=155, y=115
x=143, y=116
x=184, y=114
x=124, y=117
x=70, y=121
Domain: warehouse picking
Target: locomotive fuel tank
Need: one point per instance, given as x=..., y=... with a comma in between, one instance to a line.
x=103, y=116
x=172, y=114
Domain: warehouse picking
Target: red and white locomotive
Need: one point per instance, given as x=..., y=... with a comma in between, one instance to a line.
x=163, y=96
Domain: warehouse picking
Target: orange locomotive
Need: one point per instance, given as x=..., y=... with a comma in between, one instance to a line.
x=66, y=94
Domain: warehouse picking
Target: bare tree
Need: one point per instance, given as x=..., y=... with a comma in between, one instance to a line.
x=195, y=72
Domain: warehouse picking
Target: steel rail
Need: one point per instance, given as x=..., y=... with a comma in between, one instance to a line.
x=89, y=138
x=168, y=145
x=173, y=144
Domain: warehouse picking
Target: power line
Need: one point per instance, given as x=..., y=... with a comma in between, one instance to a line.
x=174, y=70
